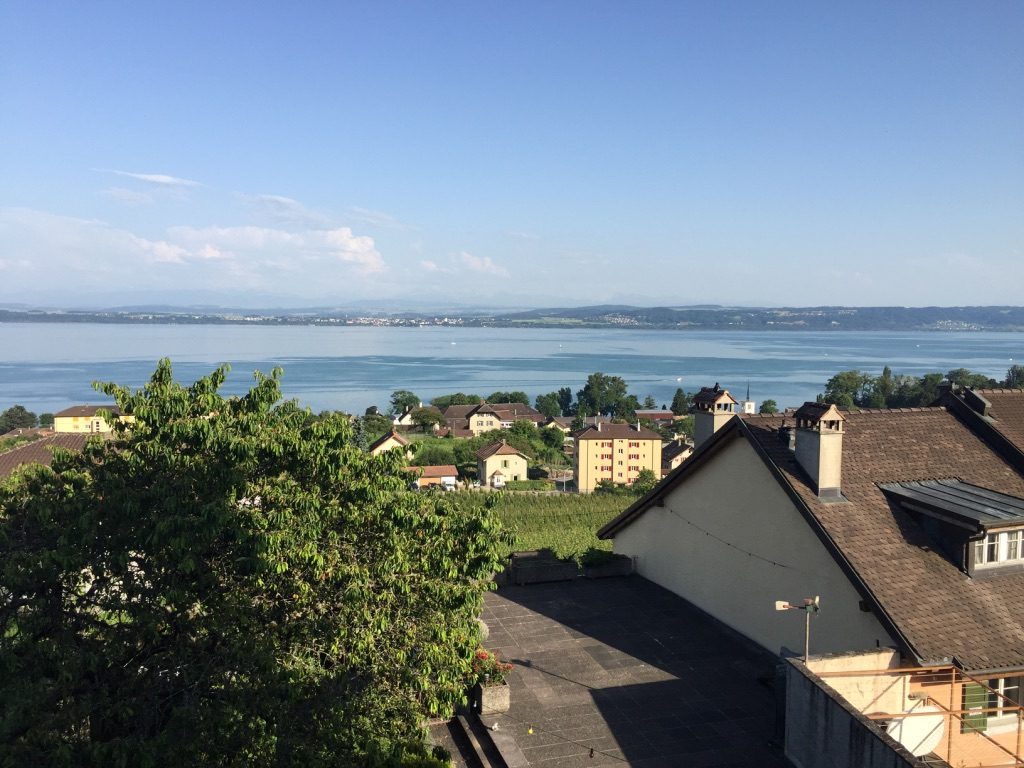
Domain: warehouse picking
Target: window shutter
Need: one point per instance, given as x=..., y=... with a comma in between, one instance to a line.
x=975, y=697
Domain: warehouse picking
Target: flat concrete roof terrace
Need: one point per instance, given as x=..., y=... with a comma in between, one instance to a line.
x=629, y=670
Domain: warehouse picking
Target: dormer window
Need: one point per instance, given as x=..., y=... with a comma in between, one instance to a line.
x=998, y=547
x=979, y=529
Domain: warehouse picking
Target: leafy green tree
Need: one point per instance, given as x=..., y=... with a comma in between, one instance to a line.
x=645, y=481
x=46, y=420
x=848, y=388
x=509, y=397
x=375, y=425
x=456, y=398
x=768, y=406
x=435, y=452
x=548, y=404
x=426, y=418
x=224, y=583
x=929, y=388
x=650, y=403
x=1014, y=377
x=602, y=394
x=962, y=377
x=553, y=438
x=16, y=417
x=680, y=403
x=881, y=390
x=402, y=400
x=565, y=400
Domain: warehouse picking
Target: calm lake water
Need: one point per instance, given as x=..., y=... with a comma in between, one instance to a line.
x=47, y=367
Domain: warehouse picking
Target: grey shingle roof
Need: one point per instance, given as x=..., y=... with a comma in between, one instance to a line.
x=940, y=612
x=41, y=451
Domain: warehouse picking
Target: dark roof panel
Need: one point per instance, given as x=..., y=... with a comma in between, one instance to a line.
x=961, y=500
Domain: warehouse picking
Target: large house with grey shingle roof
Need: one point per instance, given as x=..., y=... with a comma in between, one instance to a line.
x=909, y=524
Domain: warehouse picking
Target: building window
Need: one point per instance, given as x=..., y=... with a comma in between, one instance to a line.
x=998, y=548
x=992, y=705
x=634, y=456
x=634, y=469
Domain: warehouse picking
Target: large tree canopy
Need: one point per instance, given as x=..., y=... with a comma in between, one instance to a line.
x=16, y=417
x=227, y=583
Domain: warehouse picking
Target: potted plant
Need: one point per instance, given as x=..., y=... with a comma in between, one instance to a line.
x=490, y=687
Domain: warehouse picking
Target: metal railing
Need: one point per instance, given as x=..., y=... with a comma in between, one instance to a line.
x=981, y=725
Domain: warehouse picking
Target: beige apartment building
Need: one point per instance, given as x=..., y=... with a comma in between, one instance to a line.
x=615, y=452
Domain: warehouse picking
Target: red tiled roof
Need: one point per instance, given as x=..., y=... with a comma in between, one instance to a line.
x=435, y=470
x=617, y=431
x=1007, y=411
x=498, y=449
x=41, y=451
x=87, y=410
x=940, y=611
x=390, y=435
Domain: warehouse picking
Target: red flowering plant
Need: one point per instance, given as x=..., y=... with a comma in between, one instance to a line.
x=488, y=669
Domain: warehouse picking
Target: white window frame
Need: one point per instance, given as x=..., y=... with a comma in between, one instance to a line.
x=999, y=547
x=1006, y=718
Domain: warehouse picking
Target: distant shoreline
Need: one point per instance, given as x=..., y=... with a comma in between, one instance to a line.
x=936, y=319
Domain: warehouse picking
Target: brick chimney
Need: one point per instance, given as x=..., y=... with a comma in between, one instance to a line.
x=712, y=408
x=819, y=447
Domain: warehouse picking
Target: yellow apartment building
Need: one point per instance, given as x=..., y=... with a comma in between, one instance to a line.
x=615, y=452
x=84, y=418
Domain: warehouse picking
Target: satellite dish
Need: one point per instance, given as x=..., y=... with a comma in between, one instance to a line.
x=921, y=733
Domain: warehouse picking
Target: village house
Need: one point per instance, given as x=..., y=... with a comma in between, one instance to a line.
x=500, y=463
x=85, y=418
x=658, y=417
x=445, y=476
x=615, y=452
x=674, y=453
x=405, y=420
x=485, y=417
x=908, y=524
x=564, y=423
x=386, y=442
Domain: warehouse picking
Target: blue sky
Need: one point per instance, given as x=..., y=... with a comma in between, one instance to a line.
x=522, y=154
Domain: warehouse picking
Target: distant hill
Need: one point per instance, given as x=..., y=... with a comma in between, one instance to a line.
x=601, y=316
x=780, y=318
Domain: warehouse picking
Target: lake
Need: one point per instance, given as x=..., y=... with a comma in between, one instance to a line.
x=49, y=366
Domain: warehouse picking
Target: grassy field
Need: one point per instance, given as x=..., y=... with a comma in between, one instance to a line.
x=566, y=523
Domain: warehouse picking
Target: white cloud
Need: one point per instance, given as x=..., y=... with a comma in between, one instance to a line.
x=285, y=209
x=89, y=254
x=161, y=250
x=523, y=235
x=127, y=196
x=160, y=179
x=462, y=262
x=483, y=264
x=376, y=218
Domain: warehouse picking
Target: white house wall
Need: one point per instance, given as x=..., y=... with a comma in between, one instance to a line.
x=710, y=544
